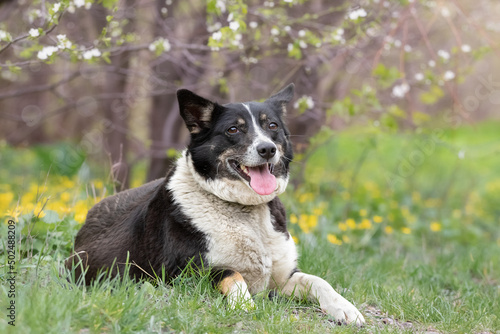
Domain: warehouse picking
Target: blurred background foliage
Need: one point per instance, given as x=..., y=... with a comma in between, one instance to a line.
x=395, y=120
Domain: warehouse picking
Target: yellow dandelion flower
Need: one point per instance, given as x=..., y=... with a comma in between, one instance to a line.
x=14, y=213
x=98, y=184
x=67, y=183
x=303, y=224
x=435, y=227
x=351, y=223
x=293, y=218
x=365, y=224
x=346, y=239
x=377, y=219
x=28, y=198
x=65, y=197
x=406, y=230
x=416, y=197
x=388, y=230
x=343, y=226
x=38, y=210
x=136, y=183
x=332, y=238
x=306, y=197
x=5, y=200
x=318, y=211
x=363, y=212
x=295, y=239
x=80, y=210
x=312, y=220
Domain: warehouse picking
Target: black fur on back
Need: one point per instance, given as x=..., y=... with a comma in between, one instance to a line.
x=145, y=223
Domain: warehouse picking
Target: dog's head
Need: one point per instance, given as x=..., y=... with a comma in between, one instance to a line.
x=239, y=151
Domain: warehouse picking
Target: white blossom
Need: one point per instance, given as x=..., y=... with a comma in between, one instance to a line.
x=79, y=3
x=34, y=14
x=5, y=36
x=445, y=12
x=92, y=53
x=234, y=25
x=253, y=24
x=275, y=32
x=419, y=76
x=56, y=7
x=304, y=100
x=432, y=63
x=449, y=75
x=160, y=42
x=407, y=48
x=34, y=32
x=303, y=44
x=216, y=26
x=46, y=52
x=216, y=36
x=465, y=48
x=355, y=14
x=289, y=1
x=444, y=54
x=302, y=33
x=63, y=42
x=400, y=91
x=338, y=35
x=290, y=47
x=166, y=46
x=221, y=5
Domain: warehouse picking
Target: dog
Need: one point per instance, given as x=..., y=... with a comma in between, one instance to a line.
x=218, y=205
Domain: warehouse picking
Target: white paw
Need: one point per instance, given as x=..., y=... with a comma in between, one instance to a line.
x=344, y=312
x=240, y=299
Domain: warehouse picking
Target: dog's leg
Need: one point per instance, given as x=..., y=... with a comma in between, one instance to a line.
x=316, y=289
x=234, y=287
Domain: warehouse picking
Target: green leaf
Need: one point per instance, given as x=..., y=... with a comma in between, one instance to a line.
x=432, y=95
x=109, y=4
x=386, y=76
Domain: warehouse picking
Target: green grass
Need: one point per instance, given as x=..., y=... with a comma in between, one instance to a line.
x=429, y=262
x=449, y=289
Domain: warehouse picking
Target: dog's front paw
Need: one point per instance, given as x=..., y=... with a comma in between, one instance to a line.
x=344, y=312
x=244, y=303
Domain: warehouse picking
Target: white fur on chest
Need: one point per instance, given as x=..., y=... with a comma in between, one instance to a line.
x=240, y=238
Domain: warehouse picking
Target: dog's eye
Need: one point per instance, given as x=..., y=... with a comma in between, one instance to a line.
x=233, y=130
x=273, y=126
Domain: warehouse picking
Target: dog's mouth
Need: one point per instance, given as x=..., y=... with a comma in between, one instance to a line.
x=260, y=178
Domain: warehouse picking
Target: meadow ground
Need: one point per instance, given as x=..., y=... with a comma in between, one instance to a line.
x=404, y=226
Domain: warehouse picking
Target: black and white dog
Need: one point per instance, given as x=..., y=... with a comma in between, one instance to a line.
x=217, y=206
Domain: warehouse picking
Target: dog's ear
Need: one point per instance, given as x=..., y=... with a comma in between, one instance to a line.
x=282, y=97
x=195, y=110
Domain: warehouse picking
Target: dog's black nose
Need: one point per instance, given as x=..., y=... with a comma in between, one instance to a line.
x=266, y=150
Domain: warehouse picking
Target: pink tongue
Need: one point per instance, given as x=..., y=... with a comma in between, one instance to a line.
x=261, y=180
